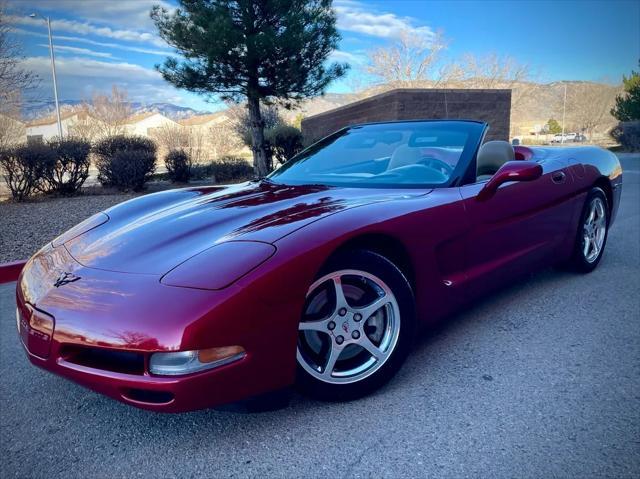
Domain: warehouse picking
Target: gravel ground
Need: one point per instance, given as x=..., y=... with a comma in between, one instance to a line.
x=540, y=380
x=26, y=227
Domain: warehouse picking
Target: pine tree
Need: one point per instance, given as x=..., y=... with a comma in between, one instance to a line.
x=628, y=105
x=251, y=50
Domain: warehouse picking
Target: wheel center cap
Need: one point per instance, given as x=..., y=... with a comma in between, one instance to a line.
x=345, y=327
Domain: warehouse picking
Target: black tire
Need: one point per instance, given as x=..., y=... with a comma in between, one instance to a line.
x=382, y=268
x=578, y=261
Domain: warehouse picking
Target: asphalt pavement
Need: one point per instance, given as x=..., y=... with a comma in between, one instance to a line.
x=540, y=380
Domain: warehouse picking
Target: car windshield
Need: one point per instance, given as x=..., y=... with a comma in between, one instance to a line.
x=399, y=154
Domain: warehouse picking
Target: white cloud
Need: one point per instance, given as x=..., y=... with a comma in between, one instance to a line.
x=132, y=14
x=79, y=78
x=348, y=57
x=354, y=16
x=66, y=38
x=86, y=28
x=78, y=51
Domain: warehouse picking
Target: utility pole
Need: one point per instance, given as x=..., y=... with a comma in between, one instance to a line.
x=564, y=110
x=53, y=70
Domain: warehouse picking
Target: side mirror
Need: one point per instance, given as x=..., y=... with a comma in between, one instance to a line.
x=510, y=171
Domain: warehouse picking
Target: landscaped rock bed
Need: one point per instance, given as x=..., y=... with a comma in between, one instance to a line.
x=26, y=227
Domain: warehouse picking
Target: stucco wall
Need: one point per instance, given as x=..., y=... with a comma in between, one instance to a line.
x=492, y=106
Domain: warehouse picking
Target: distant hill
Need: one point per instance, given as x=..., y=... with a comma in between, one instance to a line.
x=176, y=112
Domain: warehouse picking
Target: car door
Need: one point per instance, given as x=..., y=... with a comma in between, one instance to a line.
x=517, y=229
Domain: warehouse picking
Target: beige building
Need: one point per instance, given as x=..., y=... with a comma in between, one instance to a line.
x=44, y=129
x=145, y=124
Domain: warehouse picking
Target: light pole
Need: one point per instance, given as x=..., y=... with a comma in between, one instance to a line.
x=53, y=70
x=564, y=109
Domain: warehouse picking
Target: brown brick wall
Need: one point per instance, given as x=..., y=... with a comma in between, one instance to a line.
x=492, y=106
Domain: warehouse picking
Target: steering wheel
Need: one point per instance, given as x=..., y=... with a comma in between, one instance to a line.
x=438, y=165
x=409, y=173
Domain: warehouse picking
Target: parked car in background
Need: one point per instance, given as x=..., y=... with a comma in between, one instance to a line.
x=568, y=138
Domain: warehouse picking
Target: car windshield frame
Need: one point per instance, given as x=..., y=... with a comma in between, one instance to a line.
x=475, y=131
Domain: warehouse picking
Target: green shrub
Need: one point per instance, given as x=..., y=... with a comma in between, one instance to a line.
x=285, y=142
x=628, y=135
x=229, y=168
x=125, y=162
x=23, y=168
x=70, y=169
x=178, y=164
x=224, y=170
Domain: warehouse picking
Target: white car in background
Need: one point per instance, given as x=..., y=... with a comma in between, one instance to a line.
x=568, y=137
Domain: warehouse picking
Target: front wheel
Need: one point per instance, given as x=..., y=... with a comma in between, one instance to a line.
x=592, y=232
x=356, y=329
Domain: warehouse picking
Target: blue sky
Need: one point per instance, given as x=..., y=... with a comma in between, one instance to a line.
x=101, y=42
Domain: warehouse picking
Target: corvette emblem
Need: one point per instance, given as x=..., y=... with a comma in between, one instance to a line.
x=345, y=327
x=65, y=278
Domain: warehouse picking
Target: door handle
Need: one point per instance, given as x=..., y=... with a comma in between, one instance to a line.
x=558, y=177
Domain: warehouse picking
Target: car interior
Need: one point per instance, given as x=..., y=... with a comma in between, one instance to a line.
x=402, y=156
x=491, y=156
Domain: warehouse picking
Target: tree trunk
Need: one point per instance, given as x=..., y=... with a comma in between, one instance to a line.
x=261, y=159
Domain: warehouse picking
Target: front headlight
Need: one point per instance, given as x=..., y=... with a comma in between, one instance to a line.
x=219, y=266
x=187, y=362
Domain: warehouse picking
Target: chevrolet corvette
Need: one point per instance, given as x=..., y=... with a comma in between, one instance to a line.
x=318, y=275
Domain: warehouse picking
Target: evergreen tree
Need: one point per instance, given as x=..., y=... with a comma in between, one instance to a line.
x=628, y=105
x=251, y=50
x=554, y=127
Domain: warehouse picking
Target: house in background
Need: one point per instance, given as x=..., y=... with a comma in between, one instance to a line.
x=205, y=122
x=44, y=129
x=146, y=124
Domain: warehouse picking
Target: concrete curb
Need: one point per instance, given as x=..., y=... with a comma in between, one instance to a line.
x=10, y=271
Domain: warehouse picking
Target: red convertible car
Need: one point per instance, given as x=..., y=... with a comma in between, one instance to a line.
x=318, y=275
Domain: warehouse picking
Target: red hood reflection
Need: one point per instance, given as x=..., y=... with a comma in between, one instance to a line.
x=154, y=233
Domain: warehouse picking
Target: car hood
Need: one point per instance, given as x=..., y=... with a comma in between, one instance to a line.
x=154, y=233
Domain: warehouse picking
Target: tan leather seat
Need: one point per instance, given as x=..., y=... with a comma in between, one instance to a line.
x=404, y=155
x=491, y=156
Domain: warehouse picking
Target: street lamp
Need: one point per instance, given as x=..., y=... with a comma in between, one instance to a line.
x=564, y=110
x=53, y=70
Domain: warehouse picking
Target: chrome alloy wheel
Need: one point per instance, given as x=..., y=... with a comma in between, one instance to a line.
x=349, y=328
x=594, y=230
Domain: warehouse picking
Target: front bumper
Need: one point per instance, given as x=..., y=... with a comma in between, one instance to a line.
x=135, y=315
x=226, y=384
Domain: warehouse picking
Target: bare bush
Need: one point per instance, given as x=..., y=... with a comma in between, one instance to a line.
x=69, y=171
x=23, y=169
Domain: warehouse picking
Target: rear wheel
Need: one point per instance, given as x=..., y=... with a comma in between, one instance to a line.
x=592, y=232
x=356, y=328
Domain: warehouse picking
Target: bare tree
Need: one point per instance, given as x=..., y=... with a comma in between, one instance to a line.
x=223, y=140
x=488, y=71
x=409, y=61
x=171, y=137
x=12, y=130
x=242, y=124
x=109, y=114
x=13, y=78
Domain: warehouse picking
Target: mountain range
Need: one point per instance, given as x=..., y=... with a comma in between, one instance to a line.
x=176, y=112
